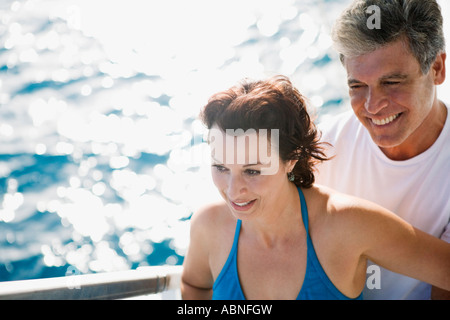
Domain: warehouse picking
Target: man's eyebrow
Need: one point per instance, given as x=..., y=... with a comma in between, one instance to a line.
x=353, y=81
x=396, y=75
x=391, y=76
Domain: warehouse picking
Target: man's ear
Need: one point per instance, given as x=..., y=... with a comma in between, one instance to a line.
x=438, y=68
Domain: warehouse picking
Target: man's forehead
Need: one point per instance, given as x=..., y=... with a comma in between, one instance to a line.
x=387, y=62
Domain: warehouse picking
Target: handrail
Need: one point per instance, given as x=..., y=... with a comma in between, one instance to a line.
x=98, y=286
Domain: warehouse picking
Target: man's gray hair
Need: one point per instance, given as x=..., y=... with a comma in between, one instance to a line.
x=418, y=22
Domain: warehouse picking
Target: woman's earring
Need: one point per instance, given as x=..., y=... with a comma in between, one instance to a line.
x=291, y=176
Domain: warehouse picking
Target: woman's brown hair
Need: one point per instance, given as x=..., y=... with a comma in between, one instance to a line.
x=270, y=104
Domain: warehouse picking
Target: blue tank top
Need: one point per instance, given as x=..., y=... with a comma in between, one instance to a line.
x=316, y=284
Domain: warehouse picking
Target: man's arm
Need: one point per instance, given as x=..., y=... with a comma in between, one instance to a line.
x=396, y=245
x=438, y=293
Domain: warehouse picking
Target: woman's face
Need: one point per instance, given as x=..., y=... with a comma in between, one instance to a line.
x=247, y=180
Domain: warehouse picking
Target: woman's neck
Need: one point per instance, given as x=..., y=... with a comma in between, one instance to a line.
x=279, y=222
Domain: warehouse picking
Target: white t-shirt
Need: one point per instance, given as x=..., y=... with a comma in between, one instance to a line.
x=417, y=189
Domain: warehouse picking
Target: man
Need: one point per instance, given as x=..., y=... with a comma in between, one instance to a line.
x=394, y=148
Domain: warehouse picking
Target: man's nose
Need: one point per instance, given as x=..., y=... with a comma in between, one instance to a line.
x=376, y=100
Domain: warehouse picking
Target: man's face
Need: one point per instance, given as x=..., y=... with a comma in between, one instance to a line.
x=392, y=98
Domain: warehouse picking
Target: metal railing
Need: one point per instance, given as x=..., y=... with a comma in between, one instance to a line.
x=101, y=286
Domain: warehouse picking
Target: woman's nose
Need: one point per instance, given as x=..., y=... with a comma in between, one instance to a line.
x=236, y=186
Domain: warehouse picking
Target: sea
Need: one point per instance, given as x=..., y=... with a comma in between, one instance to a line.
x=102, y=156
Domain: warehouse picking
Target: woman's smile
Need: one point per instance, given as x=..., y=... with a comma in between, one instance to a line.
x=242, y=205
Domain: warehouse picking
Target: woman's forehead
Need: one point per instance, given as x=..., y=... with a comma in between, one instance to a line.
x=244, y=147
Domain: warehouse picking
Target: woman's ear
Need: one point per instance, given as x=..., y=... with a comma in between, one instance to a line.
x=290, y=164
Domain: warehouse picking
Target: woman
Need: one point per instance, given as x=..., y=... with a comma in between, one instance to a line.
x=277, y=235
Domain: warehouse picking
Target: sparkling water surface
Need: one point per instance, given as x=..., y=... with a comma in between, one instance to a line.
x=102, y=157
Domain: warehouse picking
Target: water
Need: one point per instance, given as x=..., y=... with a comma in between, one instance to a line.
x=101, y=155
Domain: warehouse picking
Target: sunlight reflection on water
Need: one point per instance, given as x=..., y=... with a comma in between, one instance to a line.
x=102, y=160
x=105, y=94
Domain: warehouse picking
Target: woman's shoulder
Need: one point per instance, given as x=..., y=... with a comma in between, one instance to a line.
x=346, y=212
x=213, y=228
x=212, y=217
x=354, y=221
x=341, y=228
x=339, y=204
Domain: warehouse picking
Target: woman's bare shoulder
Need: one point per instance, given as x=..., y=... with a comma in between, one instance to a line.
x=211, y=218
x=353, y=216
x=342, y=205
